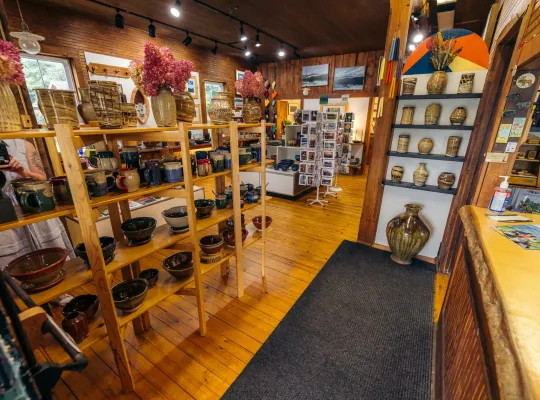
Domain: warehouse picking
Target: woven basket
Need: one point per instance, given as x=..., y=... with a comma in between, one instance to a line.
x=409, y=84
x=129, y=115
x=407, y=115
x=466, y=83
x=185, y=107
x=58, y=107
x=164, y=107
x=106, y=99
x=433, y=112
x=10, y=120
x=220, y=110
x=251, y=113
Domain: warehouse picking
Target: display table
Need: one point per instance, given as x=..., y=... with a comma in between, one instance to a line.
x=489, y=341
x=283, y=184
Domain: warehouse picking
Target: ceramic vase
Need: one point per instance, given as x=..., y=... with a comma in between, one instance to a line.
x=407, y=235
x=396, y=173
x=185, y=107
x=407, y=115
x=425, y=145
x=251, y=113
x=10, y=121
x=420, y=175
x=433, y=112
x=446, y=180
x=164, y=107
x=220, y=110
x=466, y=83
x=458, y=116
x=452, y=147
x=437, y=82
x=403, y=143
x=85, y=107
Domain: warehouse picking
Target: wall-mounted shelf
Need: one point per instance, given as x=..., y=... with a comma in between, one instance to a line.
x=527, y=160
x=440, y=96
x=425, y=188
x=441, y=157
x=447, y=127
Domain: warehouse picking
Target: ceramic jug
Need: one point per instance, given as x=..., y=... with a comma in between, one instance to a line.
x=152, y=172
x=128, y=180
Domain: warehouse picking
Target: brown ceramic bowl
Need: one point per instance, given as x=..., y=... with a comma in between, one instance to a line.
x=228, y=236
x=211, y=244
x=86, y=303
x=129, y=295
x=257, y=221
x=179, y=265
x=150, y=275
x=39, y=267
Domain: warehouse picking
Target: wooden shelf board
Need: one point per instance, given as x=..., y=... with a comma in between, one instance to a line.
x=527, y=160
x=441, y=157
x=59, y=211
x=530, y=144
x=27, y=134
x=115, y=197
x=228, y=172
x=440, y=96
x=441, y=127
x=122, y=131
x=425, y=188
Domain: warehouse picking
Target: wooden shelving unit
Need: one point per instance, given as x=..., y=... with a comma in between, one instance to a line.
x=441, y=157
x=440, y=127
x=425, y=188
x=110, y=322
x=440, y=96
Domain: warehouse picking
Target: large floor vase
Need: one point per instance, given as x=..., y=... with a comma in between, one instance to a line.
x=407, y=234
x=164, y=107
x=251, y=113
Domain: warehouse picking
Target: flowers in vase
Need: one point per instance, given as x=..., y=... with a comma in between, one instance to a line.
x=160, y=69
x=11, y=69
x=442, y=52
x=251, y=85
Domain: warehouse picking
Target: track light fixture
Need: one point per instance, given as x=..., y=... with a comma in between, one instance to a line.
x=247, y=53
x=243, y=36
x=175, y=10
x=119, y=20
x=187, y=41
x=214, y=50
x=257, y=40
x=296, y=55
x=418, y=38
x=152, y=30
x=281, y=52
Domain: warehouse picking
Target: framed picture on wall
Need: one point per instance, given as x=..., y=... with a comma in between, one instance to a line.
x=351, y=78
x=315, y=75
x=238, y=102
x=197, y=118
x=192, y=86
x=239, y=75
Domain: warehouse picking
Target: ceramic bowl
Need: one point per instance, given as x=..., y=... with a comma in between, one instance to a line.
x=230, y=221
x=257, y=221
x=297, y=157
x=38, y=267
x=295, y=167
x=129, y=295
x=87, y=304
x=150, y=275
x=108, y=246
x=211, y=244
x=176, y=217
x=204, y=206
x=228, y=236
x=179, y=265
x=139, y=228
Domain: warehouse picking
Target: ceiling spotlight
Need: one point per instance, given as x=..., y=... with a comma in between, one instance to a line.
x=257, y=40
x=243, y=36
x=187, y=41
x=119, y=20
x=296, y=55
x=175, y=10
x=247, y=53
x=412, y=47
x=152, y=30
x=281, y=52
x=214, y=50
x=418, y=38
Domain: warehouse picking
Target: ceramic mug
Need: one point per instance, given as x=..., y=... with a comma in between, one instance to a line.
x=36, y=197
x=18, y=183
x=173, y=171
x=221, y=201
x=152, y=172
x=76, y=325
x=98, y=183
x=105, y=161
x=61, y=191
x=132, y=156
x=128, y=180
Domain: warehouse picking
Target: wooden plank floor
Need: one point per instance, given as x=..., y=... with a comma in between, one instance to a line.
x=172, y=361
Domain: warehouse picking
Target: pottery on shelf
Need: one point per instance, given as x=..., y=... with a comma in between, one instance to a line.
x=458, y=116
x=185, y=107
x=407, y=234
x=38, y=268
x=403, y=143
x=420, y=175
x=407, y=115
x=176, y=217
x=437, y=82
x=85, y=107
x=211, y=244
x=251, y=113
x=76, y=325
x=164, y=107
x=220, y=110
x=452, y=147
x=204, y=207
x=150, y=275
x=108, y=246
x=433, y=112
x=129, y=295
x=446, y=180
x=139, y=229
x=396, y=173
x=466, y=83
x=229, y=238
x=179, y=265
x=425, y=145
x=257, y=221
x=409, y=84
x=87, y=304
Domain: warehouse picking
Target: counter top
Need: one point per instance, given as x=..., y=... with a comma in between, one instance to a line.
x=509, y=280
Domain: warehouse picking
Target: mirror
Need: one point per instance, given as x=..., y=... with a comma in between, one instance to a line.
x=142, y=106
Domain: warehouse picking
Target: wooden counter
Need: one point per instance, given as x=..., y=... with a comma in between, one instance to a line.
x=489, y=335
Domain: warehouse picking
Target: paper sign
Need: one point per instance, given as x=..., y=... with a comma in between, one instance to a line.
x=510, y=147
x=345, y=99
x=517, y=127
x=323, y=99
x=504, y=132
x=497, y=157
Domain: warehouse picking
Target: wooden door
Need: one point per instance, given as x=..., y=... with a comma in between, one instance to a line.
x=282, y=113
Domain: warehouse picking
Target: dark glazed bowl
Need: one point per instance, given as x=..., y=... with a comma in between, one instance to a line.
x=86, y=303
x=38, y=267
x=129, y=295
x=150, y=276
x=204, y=206
x=257, y=221
x=108, y=246
x=179, y=265
x=230, y=222
x=228, y=236
x=139, y=228
x=211, y=244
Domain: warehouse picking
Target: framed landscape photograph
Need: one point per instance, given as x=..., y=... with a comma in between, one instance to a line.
x=315, y=75
x=192, y=87
x=239, y=75
x=350, y=78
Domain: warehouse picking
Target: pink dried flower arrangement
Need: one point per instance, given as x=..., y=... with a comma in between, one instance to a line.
x=251, y=85
x=11, y=69
x=159, y=70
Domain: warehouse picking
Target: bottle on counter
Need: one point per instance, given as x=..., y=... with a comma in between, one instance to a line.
x=501, y=196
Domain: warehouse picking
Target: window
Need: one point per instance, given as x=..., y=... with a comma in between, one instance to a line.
x=45, y=72
x=210, y=90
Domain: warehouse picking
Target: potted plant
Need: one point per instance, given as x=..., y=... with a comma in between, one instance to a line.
x=11, y=72
x=251, y=88
x=443, y=52
x=158, y=76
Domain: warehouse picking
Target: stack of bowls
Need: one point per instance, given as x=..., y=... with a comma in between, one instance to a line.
x=204, y=208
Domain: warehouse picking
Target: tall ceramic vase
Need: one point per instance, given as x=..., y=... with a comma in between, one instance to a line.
x=251, y=113
x=164, y=107
x=407, y=234
x=437, y=83
x=10, y=120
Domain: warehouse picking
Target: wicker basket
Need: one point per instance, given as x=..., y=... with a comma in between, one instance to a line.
x=466, y=83
x=129, y=115
x=107, y=101
x=409, y=84
x=185, y=107
x=164, y=107
x=10, y=120
x=58, y=107
x=220, y=110
x=437, y=82
x=251, y=113
x=407, y=115
x=433, y=112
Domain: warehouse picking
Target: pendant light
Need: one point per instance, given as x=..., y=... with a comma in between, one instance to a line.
x=247, y=53
x=257, y=40
x=28, y=41
x=187, y=41
x=243, y=36
x=119, y=20
x=281, y=52
x=175, y=10
x=152, y=29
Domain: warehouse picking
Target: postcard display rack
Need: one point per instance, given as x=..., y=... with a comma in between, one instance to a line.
x=110, y=322
x=344, y=149
x=406, y=153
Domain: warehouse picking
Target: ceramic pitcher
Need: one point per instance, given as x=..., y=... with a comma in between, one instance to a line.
x=128, y=180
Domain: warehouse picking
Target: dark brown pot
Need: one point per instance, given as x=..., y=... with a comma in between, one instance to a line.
x=76, y=324
x=407, y=234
